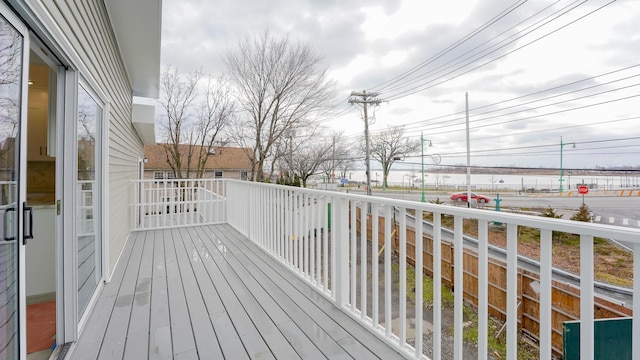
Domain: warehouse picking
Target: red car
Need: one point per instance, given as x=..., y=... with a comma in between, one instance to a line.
x=462, y=197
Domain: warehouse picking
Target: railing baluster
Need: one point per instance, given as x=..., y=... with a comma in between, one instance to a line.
x=325, y=243
x=298, y=232
x=512, y=291
x=287, y=227
x=635, y=340
x=458, y=288
x=307, y=233
x=586, y=297
x=352, y=252
x=363, y=263
x=402, y=296
x=340, y=249
x=313, y=225
x=437, y=285
x=419, y=253
x=387, y=270
x=279, y=223
x=545, y=293
x=483, y=294
x=375, y=284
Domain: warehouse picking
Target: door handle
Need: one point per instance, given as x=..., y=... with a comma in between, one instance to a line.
x=6, y=224
x=27, y=223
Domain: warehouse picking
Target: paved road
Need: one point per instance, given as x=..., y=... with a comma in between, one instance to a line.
x=612, y=210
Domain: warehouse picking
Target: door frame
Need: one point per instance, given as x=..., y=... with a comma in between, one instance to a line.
x=100, y=186
x=20, y=169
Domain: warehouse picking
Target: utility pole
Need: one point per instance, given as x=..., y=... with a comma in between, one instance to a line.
x=365, y=99
x=466, y=102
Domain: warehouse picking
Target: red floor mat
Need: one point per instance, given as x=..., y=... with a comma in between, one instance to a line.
x=41, y=326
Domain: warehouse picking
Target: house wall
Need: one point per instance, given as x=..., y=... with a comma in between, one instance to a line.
x=208, y=174
x=87, y=28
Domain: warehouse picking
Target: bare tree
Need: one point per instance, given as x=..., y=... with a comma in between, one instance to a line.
x=215, y=113
x=339, y=156
x=389, y=146
x=194, y=119
x=307, y=160
x=11, y=65
x=280, y=89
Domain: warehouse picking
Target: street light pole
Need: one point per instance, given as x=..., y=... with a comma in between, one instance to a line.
x=422, y=161
x=561, y=168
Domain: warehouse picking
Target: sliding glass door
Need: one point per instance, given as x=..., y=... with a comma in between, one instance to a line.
x=89, y=247
x=13, y=84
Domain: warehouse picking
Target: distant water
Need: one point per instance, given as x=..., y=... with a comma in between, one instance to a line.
x=408, y=178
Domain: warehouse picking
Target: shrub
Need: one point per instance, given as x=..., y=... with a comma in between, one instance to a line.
x=550, y=213
x=583, y=214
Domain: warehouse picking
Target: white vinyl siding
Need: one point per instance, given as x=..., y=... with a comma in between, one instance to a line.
x=87, y=28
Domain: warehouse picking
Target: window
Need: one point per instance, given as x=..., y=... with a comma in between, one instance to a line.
x=170, y=175
x=218, y=174
x=244, y=175
x=158, y=175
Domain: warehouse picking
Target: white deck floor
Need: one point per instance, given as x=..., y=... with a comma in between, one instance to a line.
x=208, y=293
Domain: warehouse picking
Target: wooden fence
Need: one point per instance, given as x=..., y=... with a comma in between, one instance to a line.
x=565, y=298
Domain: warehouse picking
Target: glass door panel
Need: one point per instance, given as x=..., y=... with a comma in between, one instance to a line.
x=88, y=220
x=12, y=47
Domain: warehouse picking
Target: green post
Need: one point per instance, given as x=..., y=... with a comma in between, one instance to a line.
x=497, y=200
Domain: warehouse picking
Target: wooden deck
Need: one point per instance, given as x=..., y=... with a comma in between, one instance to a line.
x=208, y=293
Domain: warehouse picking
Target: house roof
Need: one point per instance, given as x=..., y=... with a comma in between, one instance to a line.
x=223, y=158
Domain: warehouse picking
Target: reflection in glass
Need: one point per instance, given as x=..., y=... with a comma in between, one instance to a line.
x=89, y=261
x=10, y=98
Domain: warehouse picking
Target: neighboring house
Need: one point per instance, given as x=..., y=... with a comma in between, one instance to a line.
x=78, y=81
x=222, y=162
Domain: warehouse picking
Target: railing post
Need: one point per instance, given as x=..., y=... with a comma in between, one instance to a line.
x=340, y=229
x=635, y=339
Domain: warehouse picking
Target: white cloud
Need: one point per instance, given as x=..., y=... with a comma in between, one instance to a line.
x=368, y=43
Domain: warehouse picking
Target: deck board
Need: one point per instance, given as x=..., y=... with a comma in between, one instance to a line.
x=203, y=330
x=137, y=345
x=207, y=292
x=182, y=334
x=336, y=323
x=160, y=346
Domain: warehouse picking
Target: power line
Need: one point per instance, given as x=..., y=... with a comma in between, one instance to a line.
x=420, y=88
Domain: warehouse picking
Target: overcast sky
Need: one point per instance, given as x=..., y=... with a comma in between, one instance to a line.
x=534, y=70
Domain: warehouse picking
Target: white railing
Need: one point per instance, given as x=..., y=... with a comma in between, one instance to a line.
x=157, y=204
x=316, y=234
x=84, y=222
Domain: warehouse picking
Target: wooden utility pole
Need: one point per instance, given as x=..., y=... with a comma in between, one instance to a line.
x=365, y=99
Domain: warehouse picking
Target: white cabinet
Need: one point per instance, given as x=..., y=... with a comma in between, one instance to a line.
x=38, y=125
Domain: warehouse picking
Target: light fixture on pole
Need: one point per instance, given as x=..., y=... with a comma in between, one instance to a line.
x=422, y=162
x=561, y=168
